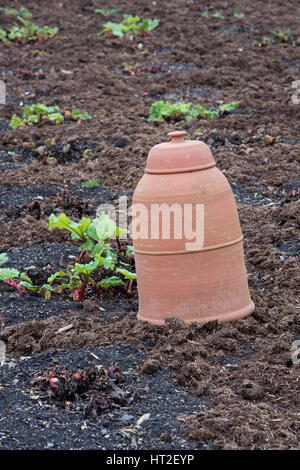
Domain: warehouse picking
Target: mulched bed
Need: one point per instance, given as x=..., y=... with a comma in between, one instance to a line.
x=32, y=421
x=229, y=386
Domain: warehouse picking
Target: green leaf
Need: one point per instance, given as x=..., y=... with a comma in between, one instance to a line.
x=30, y=268
x=90, y=184
x=3, y=258
x=89, y=268
x=110, y=260
x=75, y=282
x=16, y=122
x=126, y=273
x=24, y=277
x=58, y=275
x=218, y=15
x=8, y=273
x=78, y=115
x=239, y=15
x=87, y=246
x=105, y=227
x=100, y=248
x=28, y=286
x=130, y=24
x=113, y=281
x=57, y=117
x=63, y=222
x=46, y=287
x=124, y=264
x=108, y=12
x=129, y=251
x=229, y=107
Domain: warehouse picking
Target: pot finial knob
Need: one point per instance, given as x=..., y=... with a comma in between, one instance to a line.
x=177, y=137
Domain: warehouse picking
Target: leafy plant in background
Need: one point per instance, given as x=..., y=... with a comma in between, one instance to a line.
x=240, y=16
x=40, y=112
x=130, y=24
x=279, y=36
x=103, y=12
x=218, y=15
x=90, y=184
x=12, y=11
x=77, y=115
x=26, y=32
x=164, y=110
x=213, y=15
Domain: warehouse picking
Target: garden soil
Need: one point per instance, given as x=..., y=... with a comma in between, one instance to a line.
x=225, y=386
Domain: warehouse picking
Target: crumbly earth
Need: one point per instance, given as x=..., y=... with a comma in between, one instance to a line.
x=229, y=386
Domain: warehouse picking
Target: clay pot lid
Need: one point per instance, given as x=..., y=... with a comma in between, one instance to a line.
x=179, y=155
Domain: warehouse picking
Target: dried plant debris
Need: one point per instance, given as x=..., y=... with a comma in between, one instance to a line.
x=91, y=391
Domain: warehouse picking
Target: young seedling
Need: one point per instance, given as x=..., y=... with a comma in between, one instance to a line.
x=11, y=11
x=129, y=251
x=90, y=184
x=77, y=115
x=130, y=25
x=164, y=110
x=217, y=15
x=103, y=12
x=279, y=36
x=240, y=16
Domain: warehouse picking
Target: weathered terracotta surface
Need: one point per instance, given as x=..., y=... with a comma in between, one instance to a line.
x=205, y=282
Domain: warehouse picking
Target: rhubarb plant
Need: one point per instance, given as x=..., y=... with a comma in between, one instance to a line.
x=164, y=110
x=27, y=32
x=13, y=12
x=130, y=25
x=96, y=268
x=279, y=36
x=95, y=238
x=90, y=184
x=40, y=112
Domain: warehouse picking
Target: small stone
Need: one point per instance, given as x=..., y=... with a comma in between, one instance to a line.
x=126, y=419
x=50, y=445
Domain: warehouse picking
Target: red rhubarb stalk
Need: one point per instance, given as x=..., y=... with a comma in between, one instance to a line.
x=13, y=284
x=83, y=288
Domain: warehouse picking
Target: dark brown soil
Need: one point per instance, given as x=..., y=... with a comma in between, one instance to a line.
x=244, y=383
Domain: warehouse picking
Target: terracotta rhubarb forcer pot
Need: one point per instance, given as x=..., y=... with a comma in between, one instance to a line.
x=196, y=281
